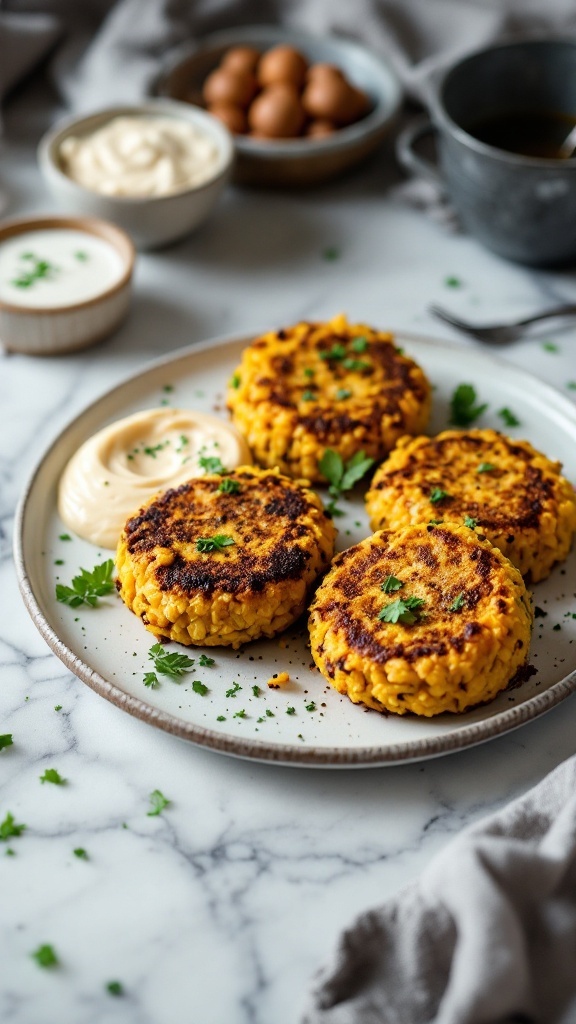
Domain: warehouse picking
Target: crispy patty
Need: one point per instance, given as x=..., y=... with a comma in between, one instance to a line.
x=426, y=619
x=314, y=386
x=224, y=559
x=514, y=495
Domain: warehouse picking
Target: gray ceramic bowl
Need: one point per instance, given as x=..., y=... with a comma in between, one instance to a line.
x=294, y=161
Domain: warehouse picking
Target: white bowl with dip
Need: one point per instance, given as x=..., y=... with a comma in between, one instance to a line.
x=156, y=169
x=65, y=283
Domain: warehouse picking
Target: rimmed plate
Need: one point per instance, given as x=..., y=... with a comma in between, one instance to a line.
x=306, y=723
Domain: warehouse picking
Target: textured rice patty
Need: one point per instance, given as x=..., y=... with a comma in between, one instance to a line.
x=460, y=635
x=515, y=494
x=225, y=593
x=332, y=385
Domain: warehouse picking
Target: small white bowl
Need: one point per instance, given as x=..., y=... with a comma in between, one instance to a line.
x=150, y=221
x=52, y=330
x=298, y=161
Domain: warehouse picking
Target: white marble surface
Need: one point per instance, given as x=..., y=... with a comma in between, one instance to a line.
x=220, y=909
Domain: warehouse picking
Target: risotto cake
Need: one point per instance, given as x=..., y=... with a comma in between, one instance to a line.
x=512, y=493
x=224, y=559
x=425, y=620
x=314, y=386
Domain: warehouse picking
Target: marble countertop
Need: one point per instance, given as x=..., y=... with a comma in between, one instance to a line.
x=221, y=908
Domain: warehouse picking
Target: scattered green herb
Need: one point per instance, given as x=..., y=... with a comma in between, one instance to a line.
x=435, y=522
x=64, y=536
x=58, y=561
x=45, y=956
x=290, y=711
x=199, y=687
x=81, y=256
x=6, y=740
x=211, y=463
x=311, y=706
x=309, y=396
x=157, y=803
x=391, y=583
x=486, y=467
x=405, y=610
x=88, y=586
x=174, y=665
x=557, y=627
x=80, y=852
x=334, y=354
x=229, y=486
x=168, y=388
x=452, y=282
x=359, y=344
x=53, y=776
x=510, y=420
x=342, y=394
x=356, y=365
x=470, y=522
x=9, y=828
x=57, y=707
x=571, y=384
x=256, y=691
x=40, y=270
x=151, y=680
x=235, y=380
x=221, y=718
x=457, y=603
x=463, y=407
x=549, y=346
x=114, y=988
x=205, y=662
x=331, y=253
x=240, y=714
x=234, y=689
x=215, y=543
x=437, y=494
x=309, y=372
x=269, y=714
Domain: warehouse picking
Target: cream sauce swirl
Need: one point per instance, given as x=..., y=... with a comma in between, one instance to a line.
x=120, y=467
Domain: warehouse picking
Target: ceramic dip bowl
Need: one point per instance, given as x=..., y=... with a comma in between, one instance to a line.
x=65, y=283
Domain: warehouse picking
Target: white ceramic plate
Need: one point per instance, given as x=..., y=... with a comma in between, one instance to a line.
x=107, y=647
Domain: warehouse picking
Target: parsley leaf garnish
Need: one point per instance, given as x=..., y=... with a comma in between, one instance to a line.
x=234, y=689
x=486, y=467
x=457, y=603
x=342, y=394
x=437, y=494
x=174, y=665
x=53, y=776
x=9, y=828
x=405, y=610
x=215, y=543
x=115, y=988
x=508, y=417
x=470, y=522
x=80, y=852
x=342, y=475
x=359, y=344
x=311, y=706
x=235, y=380
x=391, y=584
x=290, y=711
x=256, y=691
x=240, y=714
x=88, y=586
x=435, y=522
x=309, y=396
x=151, y=680
x=211, y=463
x=229, y=486
x=336, y=353
x=158, y=802
x=205, y=661
x=6, y=740
x=64, y=536
x=45, y=956
x=463, y=408
x=199, y=687
x=356, y=364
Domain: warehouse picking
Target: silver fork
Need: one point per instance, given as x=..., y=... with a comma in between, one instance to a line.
x=500, y=334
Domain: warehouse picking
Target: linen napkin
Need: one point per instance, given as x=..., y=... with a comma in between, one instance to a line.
x=487, y=933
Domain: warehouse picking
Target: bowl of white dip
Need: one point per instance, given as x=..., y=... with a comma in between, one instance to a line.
x=65, y=283
x=156, y=169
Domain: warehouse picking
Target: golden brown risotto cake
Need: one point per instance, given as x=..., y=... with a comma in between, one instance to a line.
x=224, y=559
x=515, y=495
x=314, y=386
x=427, y=619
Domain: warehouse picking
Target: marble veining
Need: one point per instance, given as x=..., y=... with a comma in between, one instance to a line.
x=219, y=910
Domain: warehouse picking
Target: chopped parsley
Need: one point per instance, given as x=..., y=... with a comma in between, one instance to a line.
x=335, y=354
x=508, y=417
x=240, y=714
x=359, y=344
x=463, y=407
x=405, y=610
x=342, y=394
x=45, y=956
x=199, y=687
x=80, y=852
x=470, y=522
x=6, y=740
x=309, y=396
x=157, y=803
x=571, y=384
x=114, y=988
x=452, y=282
x=391, y=583
x=151, y=680
x=311, y=706
x=457, y=603
x=356, y=365
x=290, y=711
x=36, y=271
x=256, y=691
x=549, y=346
x=9, y=828
x=81, y=256
x=205, y=661
x=435, y=522
x=342, y=475
x=53, y=775
x=437, y=494
x=557, y=627
x=57, y=707
x=234, y=689
x=215, y=543
x=174, y=665
x=331, y=253
x=486, y=467
x=168, y=388
x=64, y=536
x=88, y=586
x=309, y=372
x=211, y=463
x=235, y=380
x=152, y=449
x=221, y=718
x=269, y=714
x=229, y=486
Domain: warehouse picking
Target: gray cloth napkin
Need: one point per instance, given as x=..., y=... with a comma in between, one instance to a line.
x=486, y=934
x=112, y=51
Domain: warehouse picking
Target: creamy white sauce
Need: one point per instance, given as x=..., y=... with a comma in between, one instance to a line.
x=141, y=156
x=123, y=465
x=56, y=267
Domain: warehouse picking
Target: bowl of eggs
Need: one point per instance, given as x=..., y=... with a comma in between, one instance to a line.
x=301, y=109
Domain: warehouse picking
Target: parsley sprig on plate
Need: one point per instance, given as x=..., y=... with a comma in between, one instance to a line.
x=170, y=664
x=406, y=610
x=88, y=586
x=463, y=407
x=342, y=475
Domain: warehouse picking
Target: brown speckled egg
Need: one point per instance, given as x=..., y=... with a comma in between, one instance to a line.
x=277, y=112
x=242, y=59
x=282, y=64
x=229, y=87
x=233, y=117
x=320, y=129
x=329, y=96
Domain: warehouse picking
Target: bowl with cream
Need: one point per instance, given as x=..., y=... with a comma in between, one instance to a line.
x=156, y=169
x=65, y=283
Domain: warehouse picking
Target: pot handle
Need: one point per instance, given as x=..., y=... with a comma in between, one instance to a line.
x=407, y=154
